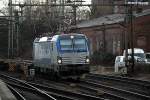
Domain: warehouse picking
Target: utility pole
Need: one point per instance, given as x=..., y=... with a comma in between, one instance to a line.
x=132, y=38
x=74, y=14
x=10, y=31
x=13, y=32
x=126, y=40
x=129, y=38
x=17, y=31
x=104, y=41
x=104, y=38
x=129, y=18
x=63, y=11
x=46, y=6
x=61, y=14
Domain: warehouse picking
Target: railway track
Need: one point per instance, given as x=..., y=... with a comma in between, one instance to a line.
x=54, y=95
x=123, y=89
x=72, y=95
x=59, y=94
x=142, y=83
x=95, y=87
x=99, y=92
x=28, y=91
x=138, y=86
x=74, y=86
x=16, y=93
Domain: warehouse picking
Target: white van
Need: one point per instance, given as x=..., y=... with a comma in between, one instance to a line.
x=139, y=55
x=120, y=64
x=147, y=58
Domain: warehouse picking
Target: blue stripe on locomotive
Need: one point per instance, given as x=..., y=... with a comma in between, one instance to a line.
x=63, y=51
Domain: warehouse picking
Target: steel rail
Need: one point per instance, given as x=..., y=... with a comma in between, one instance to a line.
x=122, y=79
x=25, y=83
x=104, y=93
x=61, y=97
x=114, y=89
x=68, y=93
x=122, y=83
x=95, y=91
x=16, y=93
x=32, y=90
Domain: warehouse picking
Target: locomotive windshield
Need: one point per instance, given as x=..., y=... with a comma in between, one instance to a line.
x=76, y=44
x=79, y=44
x=66, y=44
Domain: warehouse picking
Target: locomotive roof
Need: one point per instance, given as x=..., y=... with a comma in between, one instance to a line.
x=54, y=38
x=43, y=39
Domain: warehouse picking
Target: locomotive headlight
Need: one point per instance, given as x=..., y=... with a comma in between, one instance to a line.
x=87, y=60
x=59, y=61
x=71, y=36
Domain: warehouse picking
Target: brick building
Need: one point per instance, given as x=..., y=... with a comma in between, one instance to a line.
x=142, y=31
x=114, y=6
x=101, y=10
x=108, y=32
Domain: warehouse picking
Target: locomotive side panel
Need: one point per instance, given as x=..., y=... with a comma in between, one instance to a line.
x=42, y=54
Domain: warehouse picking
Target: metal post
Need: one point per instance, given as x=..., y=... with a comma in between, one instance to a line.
x=12, y=40
x=132, y=38
x=74, y=14
x=130, y=42
x=10, y=29
x=63, y=8
x=61, y=14
x=126, y=40
x=104, y=38
x=104, y=42
x=17, y=36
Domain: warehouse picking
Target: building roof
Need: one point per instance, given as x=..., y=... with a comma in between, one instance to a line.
x=109, y=19
x=145, y=12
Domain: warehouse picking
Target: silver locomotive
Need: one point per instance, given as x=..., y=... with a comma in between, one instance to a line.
x=62, y=55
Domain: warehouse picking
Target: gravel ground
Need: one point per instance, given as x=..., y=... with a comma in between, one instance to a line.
x=110, y=70
x=145, y=77
x=102, y=69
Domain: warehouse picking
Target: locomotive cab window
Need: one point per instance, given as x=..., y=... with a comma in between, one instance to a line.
x=66, y=44
x=80, y=44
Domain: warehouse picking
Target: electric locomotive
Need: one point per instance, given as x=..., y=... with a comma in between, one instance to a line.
x=62, y=55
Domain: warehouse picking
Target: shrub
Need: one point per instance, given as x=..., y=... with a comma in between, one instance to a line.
x=102, y=58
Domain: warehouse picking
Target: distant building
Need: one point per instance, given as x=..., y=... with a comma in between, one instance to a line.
x=98, y=11
x=109, y=32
